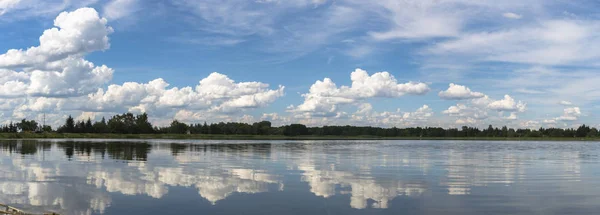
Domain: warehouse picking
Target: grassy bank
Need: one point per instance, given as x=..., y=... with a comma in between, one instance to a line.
x=263, y=137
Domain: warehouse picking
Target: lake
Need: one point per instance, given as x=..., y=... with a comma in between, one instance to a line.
x=300, y=177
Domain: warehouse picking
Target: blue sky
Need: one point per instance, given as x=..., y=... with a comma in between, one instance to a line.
x=382, y=63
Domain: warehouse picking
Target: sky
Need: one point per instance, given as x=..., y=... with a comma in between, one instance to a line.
x=402, y=63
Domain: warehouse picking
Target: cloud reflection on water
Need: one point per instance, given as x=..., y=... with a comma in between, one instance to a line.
x=80, y=177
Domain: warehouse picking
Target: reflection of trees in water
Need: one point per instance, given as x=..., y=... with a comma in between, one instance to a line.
x=116, y=150
x=261, y=149
x=127, y=150
x=24, y=147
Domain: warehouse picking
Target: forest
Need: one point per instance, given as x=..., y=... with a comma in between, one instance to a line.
x=129, y=123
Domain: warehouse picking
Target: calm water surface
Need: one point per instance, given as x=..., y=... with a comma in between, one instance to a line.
x=300, y=177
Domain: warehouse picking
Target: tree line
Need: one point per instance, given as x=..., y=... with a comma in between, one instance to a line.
x=129, y=123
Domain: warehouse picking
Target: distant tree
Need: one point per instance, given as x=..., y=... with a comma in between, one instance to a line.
x=100, y=127
x=295, y=130
x=47, y=128
x=178, y=127
x=26, y=125
x=582, y=131
x=205, y=129
x=261, y=128
x=68, y=127
x=142, y=124
x=88, y=128
x=593, y=132
x=123, y=124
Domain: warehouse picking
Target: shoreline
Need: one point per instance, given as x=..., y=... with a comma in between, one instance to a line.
x=7, y=136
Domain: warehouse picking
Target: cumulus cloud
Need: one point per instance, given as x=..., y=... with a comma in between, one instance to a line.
x=532, y=124
x=508, y=104
x=56, y=67
x=512, y=116
x=458, y=92
x=325, y=97
x=466, y=121
x=76, y=33
x=216, y=92
x=479, y=109
x=570, y=114
x=365, y=115
x=464, y=111
x=72, y=77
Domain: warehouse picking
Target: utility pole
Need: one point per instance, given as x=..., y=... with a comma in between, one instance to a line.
x=44, y=122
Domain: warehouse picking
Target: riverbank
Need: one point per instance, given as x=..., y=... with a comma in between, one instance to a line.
x=262, y=137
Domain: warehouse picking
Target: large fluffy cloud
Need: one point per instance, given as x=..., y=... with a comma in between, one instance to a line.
x=56, y=67
x=479, y=107
x=325, y=97
x=507, y=104
x=216, y=92
x=76, y=33
x=458, y=92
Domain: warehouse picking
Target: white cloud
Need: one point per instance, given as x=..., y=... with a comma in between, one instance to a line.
x=56, y=68
x=72, y=77
x=570, y=114
x=6, y=5
x=463, y=111
x=324, y=96
x=552, y=42
x=117, y=9
x=15, y=10
x=531, y=124
x=459, y=92
x=512, y=15
x=366, y=116
x=512, y=116
x=479, y=109
x=417, y=19
x=465, y=121
x=565, y=103
x=216, y=93
x=77, y=33
x=508, y=104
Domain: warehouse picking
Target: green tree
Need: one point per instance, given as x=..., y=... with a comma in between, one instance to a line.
x=582, y=131
x=178, y=127
x=26, y=125
x=101, y=127
x=295, y=130
x=261, y=128
x=69, y=126
x=89, y=128
x=142, y=124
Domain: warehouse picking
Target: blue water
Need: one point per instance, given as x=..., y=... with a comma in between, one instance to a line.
x=300, y=177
